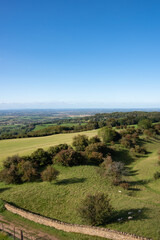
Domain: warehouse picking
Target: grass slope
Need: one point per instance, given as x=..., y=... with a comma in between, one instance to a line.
x=62, y=198
x=26, y=146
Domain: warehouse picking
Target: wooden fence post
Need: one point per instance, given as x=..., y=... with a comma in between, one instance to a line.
x=14, y=233
x=21, y=235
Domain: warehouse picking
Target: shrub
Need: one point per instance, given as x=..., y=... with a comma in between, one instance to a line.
x=95, y=158
x=157, y=175
x=149, y=133
x=14, y=160
x=113, y=170
x=95, y=153
x=97, y=147
x=94, y=139
x=80, y=142
x=52, y=151
x=96, y=209
x=27, y=171
x=10, y=175
x=41, y=158
x=49, y=174
x=69, y=157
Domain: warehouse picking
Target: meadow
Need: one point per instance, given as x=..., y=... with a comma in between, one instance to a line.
x=61, y=199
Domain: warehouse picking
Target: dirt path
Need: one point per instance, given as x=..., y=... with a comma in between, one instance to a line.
x=28, y=233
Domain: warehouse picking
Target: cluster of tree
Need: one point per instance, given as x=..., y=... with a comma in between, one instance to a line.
x=116, y=119
x=38, y=165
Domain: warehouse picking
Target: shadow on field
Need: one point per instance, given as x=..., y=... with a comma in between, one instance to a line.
x=131, y=172
x=70, y=181
x=123, y=156
x=130, y=215
x=4, y=189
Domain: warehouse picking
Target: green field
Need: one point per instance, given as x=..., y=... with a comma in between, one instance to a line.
x=26, y=146
x=61, y=199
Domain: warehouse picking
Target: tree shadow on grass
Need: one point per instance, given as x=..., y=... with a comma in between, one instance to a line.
x=70, y=181
x=129, y=215
x=133, y=185
x=131, y=172
x=4, y=189
x=123, y=156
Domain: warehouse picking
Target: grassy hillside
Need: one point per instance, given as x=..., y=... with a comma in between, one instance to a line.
x=61, y=199
x=26, y=146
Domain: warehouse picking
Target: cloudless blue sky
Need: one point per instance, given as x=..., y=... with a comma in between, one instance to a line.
x=80, y=52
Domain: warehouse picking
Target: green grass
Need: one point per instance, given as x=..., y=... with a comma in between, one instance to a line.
x=4, y=236
x=62, y=198
x=61, y=235
x=26, y=146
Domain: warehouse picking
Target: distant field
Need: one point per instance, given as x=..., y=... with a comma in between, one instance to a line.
x=25, y=146
x=42, y=126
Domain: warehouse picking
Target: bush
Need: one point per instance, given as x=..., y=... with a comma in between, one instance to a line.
x=52, y=151
x=94, y=139
x=14, y=160
x=27, y=171
x=41, y=158
x=69, y=158
x=114, y=170
x=49, y=174
x=157, y=175
x=10, y=175
x=95, y=153
x=96, y=209
x=97, y=147
x=80, y=142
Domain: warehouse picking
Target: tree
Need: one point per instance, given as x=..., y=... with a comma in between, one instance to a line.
x=96, y=209
x=145, y=124
x=80, y=142
x=27, y=171
x=56, y=149
x=94, y=139
x=49, y=174
x=69, y=158
x=108, y=135
x=41, y=157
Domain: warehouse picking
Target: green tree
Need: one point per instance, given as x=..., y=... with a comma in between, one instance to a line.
x=96, y=209
x=49, y=174
x=108, y=134
x=145, y=124
x=80, y=142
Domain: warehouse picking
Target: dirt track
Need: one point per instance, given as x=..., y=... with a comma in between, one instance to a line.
x=28, y=233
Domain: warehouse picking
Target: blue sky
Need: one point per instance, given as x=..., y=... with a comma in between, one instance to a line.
x=80, y=53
